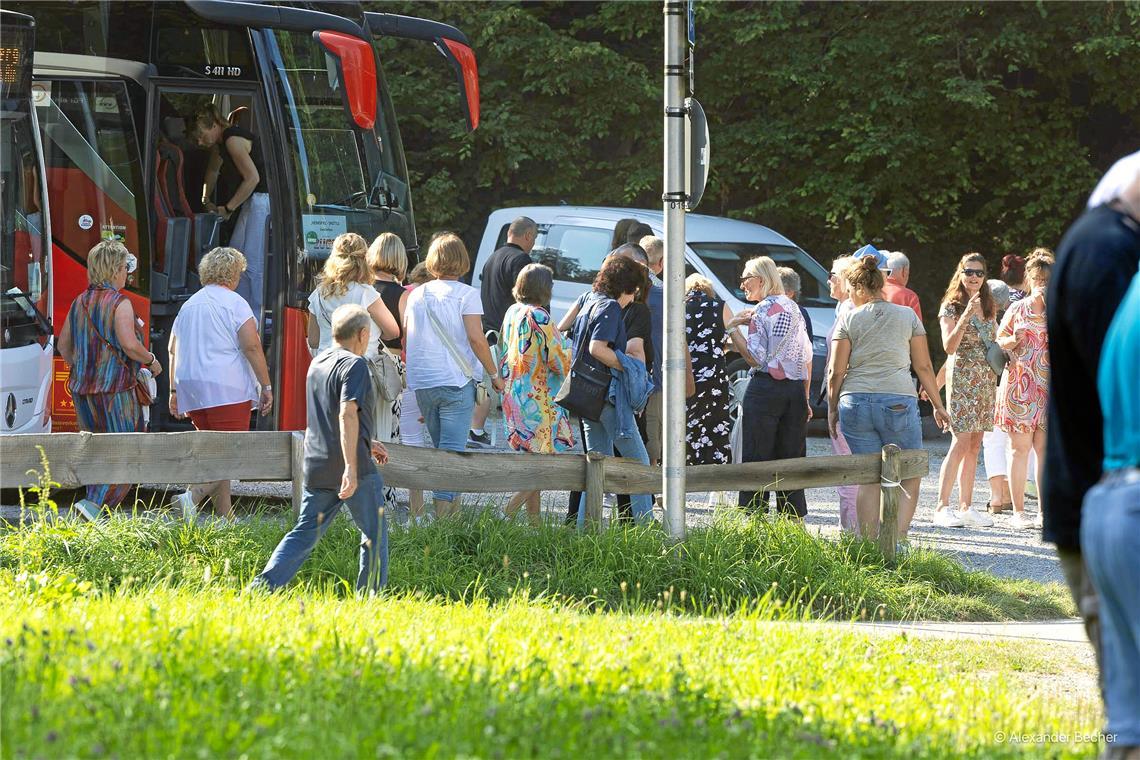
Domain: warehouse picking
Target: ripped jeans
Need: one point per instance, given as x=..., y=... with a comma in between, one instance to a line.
x=872, y=420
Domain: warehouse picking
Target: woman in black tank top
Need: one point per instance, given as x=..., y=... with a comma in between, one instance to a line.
x=236, y=150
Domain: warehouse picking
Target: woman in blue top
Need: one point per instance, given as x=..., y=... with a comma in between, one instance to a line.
x=598, y=329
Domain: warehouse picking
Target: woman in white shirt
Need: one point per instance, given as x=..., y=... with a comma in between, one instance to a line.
x=347, y=278
x=443, y=334
x=217, y=368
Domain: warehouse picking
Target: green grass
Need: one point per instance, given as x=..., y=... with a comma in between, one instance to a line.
x=720, y=569
x=210, y=672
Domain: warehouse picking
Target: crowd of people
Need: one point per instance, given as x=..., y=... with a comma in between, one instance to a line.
x=1041, y=375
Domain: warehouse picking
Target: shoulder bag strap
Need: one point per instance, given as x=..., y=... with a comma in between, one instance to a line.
x=448, y=343
x=118, y=353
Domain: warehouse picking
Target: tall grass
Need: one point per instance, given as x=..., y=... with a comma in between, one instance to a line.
x=720, y=569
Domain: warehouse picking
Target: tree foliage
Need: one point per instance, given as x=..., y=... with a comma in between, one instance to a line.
x=934, y=128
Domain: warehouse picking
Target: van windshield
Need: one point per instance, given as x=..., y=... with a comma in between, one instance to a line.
x=726, y=262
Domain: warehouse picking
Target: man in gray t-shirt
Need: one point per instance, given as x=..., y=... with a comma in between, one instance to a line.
x=339, y=455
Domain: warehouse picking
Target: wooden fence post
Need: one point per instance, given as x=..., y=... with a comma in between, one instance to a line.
x=298, y=471
x=889, y=501
x=595, y=488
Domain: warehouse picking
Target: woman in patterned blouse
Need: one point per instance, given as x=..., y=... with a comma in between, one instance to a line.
x=776, y=408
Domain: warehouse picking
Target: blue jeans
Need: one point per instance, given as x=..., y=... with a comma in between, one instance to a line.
x=1110, y=544
x=601, y=436
x=250, y=236
x=318, y=508
x=447, y=415
x=872, y=420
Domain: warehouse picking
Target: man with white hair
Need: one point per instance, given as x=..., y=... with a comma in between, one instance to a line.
x=1096, y=260
x=896, y=291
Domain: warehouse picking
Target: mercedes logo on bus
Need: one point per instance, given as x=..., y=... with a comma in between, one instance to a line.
x=10, y=410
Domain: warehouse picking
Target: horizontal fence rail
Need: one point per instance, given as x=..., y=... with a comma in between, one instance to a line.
x=78, y=459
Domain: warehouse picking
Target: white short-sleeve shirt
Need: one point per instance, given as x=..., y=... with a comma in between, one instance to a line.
x=210, y=369
x=430, y=363
x=322, y=307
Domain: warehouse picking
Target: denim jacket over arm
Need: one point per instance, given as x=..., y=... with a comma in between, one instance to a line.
x=629, y=392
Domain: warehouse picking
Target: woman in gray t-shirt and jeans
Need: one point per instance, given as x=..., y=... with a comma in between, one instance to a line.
x=869, y=387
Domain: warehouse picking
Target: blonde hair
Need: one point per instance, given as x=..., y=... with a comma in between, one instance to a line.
x=208, y=117
x=864, y=275
x=764, y=268
x=419, y=274
x=387, y=254
x=104, y=261
x=701, y=283
x=348, y=320
x=1039, y=264
x=447, y=256
x=221, y=266
x=345, y=265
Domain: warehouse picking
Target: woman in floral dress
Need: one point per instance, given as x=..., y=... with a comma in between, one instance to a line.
x=968, y=323
x=535, y=360
x=709, y=420
x=1024, y=390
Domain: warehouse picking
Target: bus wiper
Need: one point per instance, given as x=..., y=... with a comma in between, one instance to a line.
x=24, y=301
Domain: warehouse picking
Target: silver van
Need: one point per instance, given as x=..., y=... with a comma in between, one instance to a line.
x=573, y=240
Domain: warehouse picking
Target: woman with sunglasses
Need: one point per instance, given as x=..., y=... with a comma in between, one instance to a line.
x=101, y=342
x=968, y=320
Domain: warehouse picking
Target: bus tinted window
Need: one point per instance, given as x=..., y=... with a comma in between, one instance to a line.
x=185, y=45
x=94, y=168
x=114, y=30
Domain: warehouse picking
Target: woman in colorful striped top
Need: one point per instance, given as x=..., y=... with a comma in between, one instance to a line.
x=100, y=342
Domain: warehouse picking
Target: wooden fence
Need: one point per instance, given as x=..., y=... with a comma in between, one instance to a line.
x=78, y=459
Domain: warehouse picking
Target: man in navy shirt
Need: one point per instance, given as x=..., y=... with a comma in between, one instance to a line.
x=1096, y=260
x=339, y=456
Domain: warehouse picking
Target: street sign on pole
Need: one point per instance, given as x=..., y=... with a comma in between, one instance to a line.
x=697, y=139
x=674, y=200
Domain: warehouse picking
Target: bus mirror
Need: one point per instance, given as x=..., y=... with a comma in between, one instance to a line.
x=357, y=64
x=449, y=41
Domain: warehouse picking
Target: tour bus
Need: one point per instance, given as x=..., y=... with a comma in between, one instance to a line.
x=26, y=342
x=117, y=86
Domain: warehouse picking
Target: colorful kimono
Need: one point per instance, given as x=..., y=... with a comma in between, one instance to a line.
x=535, y=360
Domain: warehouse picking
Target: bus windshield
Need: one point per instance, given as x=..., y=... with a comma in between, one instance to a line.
x=348, y=179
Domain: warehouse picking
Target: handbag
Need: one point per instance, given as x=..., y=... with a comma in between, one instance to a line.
x=996, y=357
x=584, y=391
x=387, y=379
x=145, y=385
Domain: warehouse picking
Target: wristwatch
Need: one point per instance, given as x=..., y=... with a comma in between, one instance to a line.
x=266, y=388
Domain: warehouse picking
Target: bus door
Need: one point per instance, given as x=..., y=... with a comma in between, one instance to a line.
x=26, y=343
x=95, y=192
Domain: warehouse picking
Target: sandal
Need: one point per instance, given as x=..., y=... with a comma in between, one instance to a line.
x=997, y=509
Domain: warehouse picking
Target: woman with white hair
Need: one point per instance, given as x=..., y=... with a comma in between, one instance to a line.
x=100, y=342
x=776, y=408
x=217, y=368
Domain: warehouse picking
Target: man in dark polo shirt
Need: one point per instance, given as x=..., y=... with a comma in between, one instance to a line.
x=1096, y=260
x=496, y=291
x=339, y=455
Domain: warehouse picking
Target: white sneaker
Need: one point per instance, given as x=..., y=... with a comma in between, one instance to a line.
x=185, y=502
x=975, y=519
x=1040, y=521
x=946, y=518
x=1022, y=521
x=89, y=509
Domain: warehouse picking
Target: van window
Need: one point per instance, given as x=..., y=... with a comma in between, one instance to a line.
x=574, y=253
x=726, y=261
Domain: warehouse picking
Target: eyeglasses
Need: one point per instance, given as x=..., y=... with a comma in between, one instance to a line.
x=746, y=278
x=974, y=272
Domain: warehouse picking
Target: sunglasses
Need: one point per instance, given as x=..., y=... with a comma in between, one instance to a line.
x=974, y=272
x=746, y=279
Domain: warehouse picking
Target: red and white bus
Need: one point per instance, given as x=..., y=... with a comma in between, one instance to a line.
x=116, y=88
x=26, y=341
